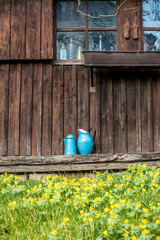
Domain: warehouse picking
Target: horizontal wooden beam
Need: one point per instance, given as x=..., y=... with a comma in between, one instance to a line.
x=65, y=163
x=114, y=59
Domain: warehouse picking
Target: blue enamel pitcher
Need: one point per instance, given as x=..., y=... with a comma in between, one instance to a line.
x=70, y=145
x=85, y=141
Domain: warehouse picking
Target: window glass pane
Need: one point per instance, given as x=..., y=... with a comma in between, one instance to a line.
x=151, y=13
x=151, y=40
x=102, y=41
x=67, y=15
x=102, y=7
x=70, y=45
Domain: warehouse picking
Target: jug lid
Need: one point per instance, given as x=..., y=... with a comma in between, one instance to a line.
x=70, y=136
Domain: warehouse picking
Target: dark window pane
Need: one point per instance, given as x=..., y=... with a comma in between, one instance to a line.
x=70, y=45
x=102, y=7
x=151, y=13
x=151, y=40
x=67, y=15
x=102, y=41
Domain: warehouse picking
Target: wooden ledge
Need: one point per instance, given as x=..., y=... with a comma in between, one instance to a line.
x=66, y=163
x=122, y=59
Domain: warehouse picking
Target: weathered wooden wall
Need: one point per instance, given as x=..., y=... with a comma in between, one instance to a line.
x=26, y=29
x=41, y=104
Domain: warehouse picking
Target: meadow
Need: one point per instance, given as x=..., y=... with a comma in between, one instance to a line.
x=106, y=206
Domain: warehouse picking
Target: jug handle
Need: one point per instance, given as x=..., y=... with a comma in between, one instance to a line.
x=94, y=133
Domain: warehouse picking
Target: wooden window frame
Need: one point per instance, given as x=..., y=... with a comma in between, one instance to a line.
x=85, y=29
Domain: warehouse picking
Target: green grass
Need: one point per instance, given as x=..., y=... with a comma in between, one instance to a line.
x=106, y=206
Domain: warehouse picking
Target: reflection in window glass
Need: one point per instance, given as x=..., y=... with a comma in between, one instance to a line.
x=67, y=16
x=151, y=40
x=70, y=45
x=102, y=41
x=151, y=13
x=102, y=7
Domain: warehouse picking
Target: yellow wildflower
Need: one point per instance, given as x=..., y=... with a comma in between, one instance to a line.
x=65, y=220
x=138, y=205
x=111, y=224
x=132, y=227
x=54, y=233
x=158, y=238
x=85, y=219
x=91, y=208
x=157, y=222
x=81, y=212
x=145, y=232
x=125, y=234
x=145, y=210
x=126, y=221
x=141, y=226
x=105, y=232
x=90, y=219
x=98, y=215
x=144, y=221
x=133, y=237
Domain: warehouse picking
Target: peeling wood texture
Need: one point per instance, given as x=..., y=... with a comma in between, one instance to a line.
x=76, y=162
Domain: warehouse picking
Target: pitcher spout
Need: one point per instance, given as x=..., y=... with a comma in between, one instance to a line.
x=64, y=140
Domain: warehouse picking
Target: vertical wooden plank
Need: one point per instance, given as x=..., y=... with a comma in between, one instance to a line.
x=138, y=115
x=4, y=77
x=120, y=123
x=106, y=113
x=58, y=101
x=144, y=110
x=83, y=98
x=37, y=110
x=4, y=29
x=33, y=20
x=156, y=110
x=150, y=113
x=47, y=29
x=47, y=108
x=98, y=110
x=131, y=111
x=26, y=110
x=70, y=101
x=17, y=29
x=14, y=109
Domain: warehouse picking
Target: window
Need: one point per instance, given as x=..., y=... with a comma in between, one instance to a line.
x=151, y=25
x=76, y=32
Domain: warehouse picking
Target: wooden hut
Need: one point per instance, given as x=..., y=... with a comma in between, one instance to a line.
x=46, y=95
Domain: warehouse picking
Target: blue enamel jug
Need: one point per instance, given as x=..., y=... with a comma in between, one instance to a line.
x=85, y=141
x=70, y=145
